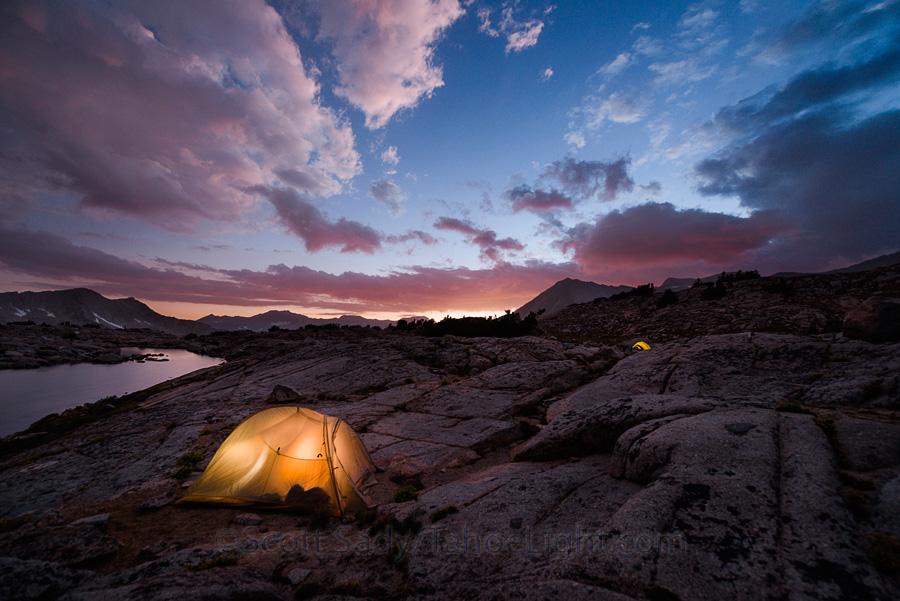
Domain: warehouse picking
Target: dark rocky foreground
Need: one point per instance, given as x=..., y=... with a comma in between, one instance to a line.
x=739, y=465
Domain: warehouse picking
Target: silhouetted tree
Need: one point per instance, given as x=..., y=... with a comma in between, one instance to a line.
x=668, y=298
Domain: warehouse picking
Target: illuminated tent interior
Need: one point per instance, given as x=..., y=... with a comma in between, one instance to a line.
x=288, y=457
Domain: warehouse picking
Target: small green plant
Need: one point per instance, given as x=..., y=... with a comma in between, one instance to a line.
x=444, y=382
x=884, y=551
x=28, y=460
x=408, y=380
x=873, y=389
x=10, y=524
x=789, y=406
x=186, y=464
x=443, y=512
x=826, y=422
x=341, y=397
x=205, y=432
x=405, y=493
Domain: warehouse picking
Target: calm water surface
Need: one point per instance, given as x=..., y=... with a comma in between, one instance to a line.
x=27, y=395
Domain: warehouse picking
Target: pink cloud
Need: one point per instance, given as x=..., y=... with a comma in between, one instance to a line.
x=132, y=109
x=659, y=234
x=385, y=51
x=519, y=34
x=304, y=219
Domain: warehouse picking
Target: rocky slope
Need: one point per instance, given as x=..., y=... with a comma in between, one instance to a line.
x=757, y=461
x=809, y=304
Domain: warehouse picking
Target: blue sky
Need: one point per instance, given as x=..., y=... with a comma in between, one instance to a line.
x=416, y=157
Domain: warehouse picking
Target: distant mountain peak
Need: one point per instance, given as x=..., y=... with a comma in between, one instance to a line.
x=567, y=292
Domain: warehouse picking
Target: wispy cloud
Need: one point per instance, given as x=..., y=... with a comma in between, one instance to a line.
x=520, y=33
x=616, y=107
x=617, y=65
x=390, y=156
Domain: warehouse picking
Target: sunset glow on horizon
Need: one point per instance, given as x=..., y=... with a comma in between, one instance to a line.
x=438, y=157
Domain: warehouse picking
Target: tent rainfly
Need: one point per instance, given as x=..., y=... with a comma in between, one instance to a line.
x=288, y=457
x=641, y=346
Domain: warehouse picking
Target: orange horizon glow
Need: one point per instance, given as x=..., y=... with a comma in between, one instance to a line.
x=195, y=311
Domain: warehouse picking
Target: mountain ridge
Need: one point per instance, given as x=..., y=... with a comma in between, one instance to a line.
x=567, y=292
x=86, y=306
x=287, y=320
x=80, y=306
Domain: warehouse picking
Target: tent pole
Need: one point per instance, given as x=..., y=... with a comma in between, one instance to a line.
x=328, y=457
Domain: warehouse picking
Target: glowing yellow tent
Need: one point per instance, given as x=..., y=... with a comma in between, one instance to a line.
x=288, y=457
x=641, y=346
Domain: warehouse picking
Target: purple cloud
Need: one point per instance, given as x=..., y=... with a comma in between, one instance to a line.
x=591, y=178
x=486, y=239
x=126, y=108
x=524, y=198
x=658, y=233
x=304, y=220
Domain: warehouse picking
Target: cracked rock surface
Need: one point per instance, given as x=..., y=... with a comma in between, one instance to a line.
x=738, y=465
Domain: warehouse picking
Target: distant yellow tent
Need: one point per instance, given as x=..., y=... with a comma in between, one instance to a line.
x=288, y=457
x=641, y=346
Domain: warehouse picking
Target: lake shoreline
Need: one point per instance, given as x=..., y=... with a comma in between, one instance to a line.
x=33, y=346
x=46, y=395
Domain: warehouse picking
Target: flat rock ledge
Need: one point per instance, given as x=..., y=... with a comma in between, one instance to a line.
x=731, y=466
